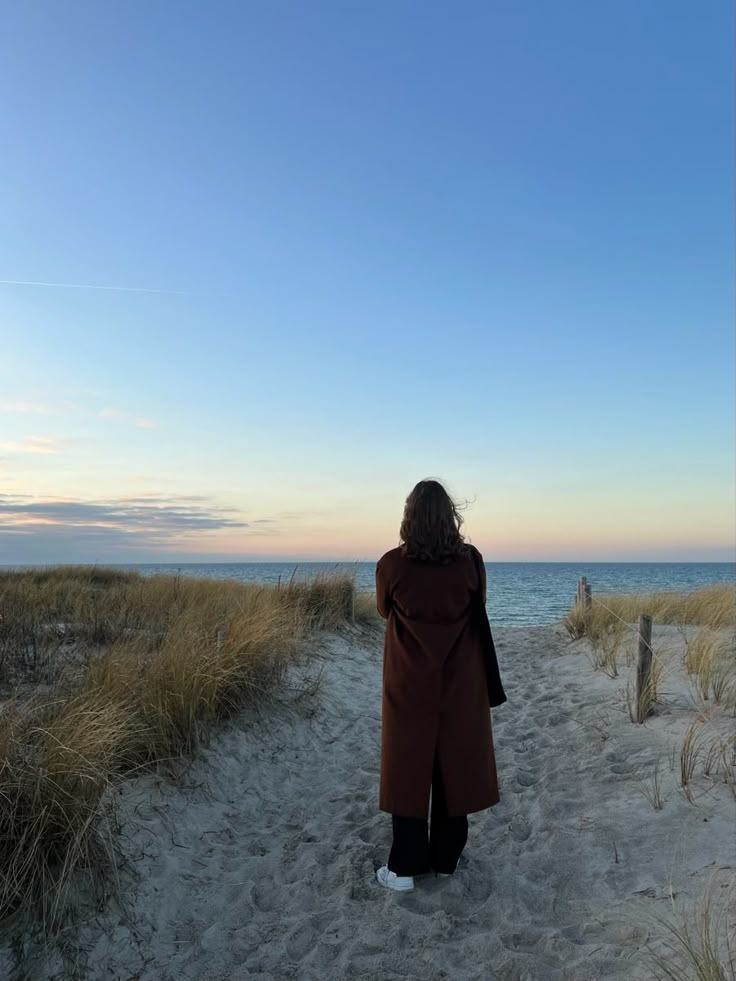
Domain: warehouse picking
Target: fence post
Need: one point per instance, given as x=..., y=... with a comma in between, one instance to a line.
x=644, y=667
x=220, y=635
x=584, y=595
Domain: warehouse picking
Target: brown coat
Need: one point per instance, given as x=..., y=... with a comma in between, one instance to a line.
x=434, y=689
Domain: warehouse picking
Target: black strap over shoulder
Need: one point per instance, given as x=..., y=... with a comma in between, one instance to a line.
x=475, y=555
x=496, y=694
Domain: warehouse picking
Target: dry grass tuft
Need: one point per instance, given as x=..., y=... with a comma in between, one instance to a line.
x=649, y=693
x=711, y=660
x=54, y=769
x=365, y=608
x=609, y=623
x=711, y=606
x=704, y=950
x=653, y=791
x=689, y=754
x=133, y=670
x=718, y=755
x=606, y=646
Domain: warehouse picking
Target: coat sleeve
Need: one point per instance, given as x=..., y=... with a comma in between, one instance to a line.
x=383, y=593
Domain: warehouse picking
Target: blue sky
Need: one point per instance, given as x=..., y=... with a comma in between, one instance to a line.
x=490, y=242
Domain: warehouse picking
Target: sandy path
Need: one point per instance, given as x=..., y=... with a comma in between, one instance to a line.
x=261, y=866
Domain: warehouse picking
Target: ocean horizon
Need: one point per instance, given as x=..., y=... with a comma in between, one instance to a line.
x=519, y=593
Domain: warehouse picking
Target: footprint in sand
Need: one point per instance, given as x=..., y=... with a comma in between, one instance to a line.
x=300, y=941
x=263, y=896
x=526, y=778
x=520, y=829
x=526, y=940
x=523, y=749
x=621, y=769
x=548, y=696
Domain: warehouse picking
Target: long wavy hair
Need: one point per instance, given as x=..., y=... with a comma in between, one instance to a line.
x=430, y=528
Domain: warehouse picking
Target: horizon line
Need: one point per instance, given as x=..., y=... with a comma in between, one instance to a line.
x=334, y=561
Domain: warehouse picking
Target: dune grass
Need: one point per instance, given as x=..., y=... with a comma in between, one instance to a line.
x=106, y=671
x=611, y=619
x=610, y=624
x=653, y=791
x=699, y=945
x=710, y=659
x=710, y=606
x=641, y=707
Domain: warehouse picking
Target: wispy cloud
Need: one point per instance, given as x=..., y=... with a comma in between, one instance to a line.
x=34, y=530
x=138, y=421
x=21, y=406
x=156, y=517
x=33, y=444
x=25, y=407
x=43, y=404
x=169, y=499
x=91, y=286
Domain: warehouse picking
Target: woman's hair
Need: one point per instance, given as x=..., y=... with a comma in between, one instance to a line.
x=430, y=528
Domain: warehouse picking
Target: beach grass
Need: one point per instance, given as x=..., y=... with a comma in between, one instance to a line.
x=699, y=945
x=610, y=622
x=103, y=672
x=710, y=606
x=711, y=661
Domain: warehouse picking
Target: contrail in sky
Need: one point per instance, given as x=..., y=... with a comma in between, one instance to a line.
x=87, y=286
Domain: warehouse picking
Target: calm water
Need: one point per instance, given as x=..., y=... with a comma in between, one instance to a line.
x=519, y=593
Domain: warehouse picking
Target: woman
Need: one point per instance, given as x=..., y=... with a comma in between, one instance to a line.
x=436, y=721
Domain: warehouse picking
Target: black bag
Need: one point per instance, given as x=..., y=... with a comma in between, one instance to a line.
x=496, y=694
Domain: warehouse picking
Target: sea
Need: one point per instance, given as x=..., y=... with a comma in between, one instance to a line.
x=519, y=593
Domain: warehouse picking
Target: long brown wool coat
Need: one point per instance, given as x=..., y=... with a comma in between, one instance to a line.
x=435, y=698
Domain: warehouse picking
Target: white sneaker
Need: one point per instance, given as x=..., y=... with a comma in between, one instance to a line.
x=399, y=883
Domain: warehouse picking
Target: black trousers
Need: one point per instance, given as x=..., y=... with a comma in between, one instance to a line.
x=418, y=848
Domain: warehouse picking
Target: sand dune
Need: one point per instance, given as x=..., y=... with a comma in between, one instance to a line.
x=260, y=863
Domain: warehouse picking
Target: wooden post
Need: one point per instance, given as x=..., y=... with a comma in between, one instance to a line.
x=352, y=602
x=644, y=665
x=220, y=638
x=584, y=595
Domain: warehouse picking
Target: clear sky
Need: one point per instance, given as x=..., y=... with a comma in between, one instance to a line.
x=351, y=245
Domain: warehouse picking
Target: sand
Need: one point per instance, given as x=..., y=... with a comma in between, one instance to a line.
x=260, y=862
